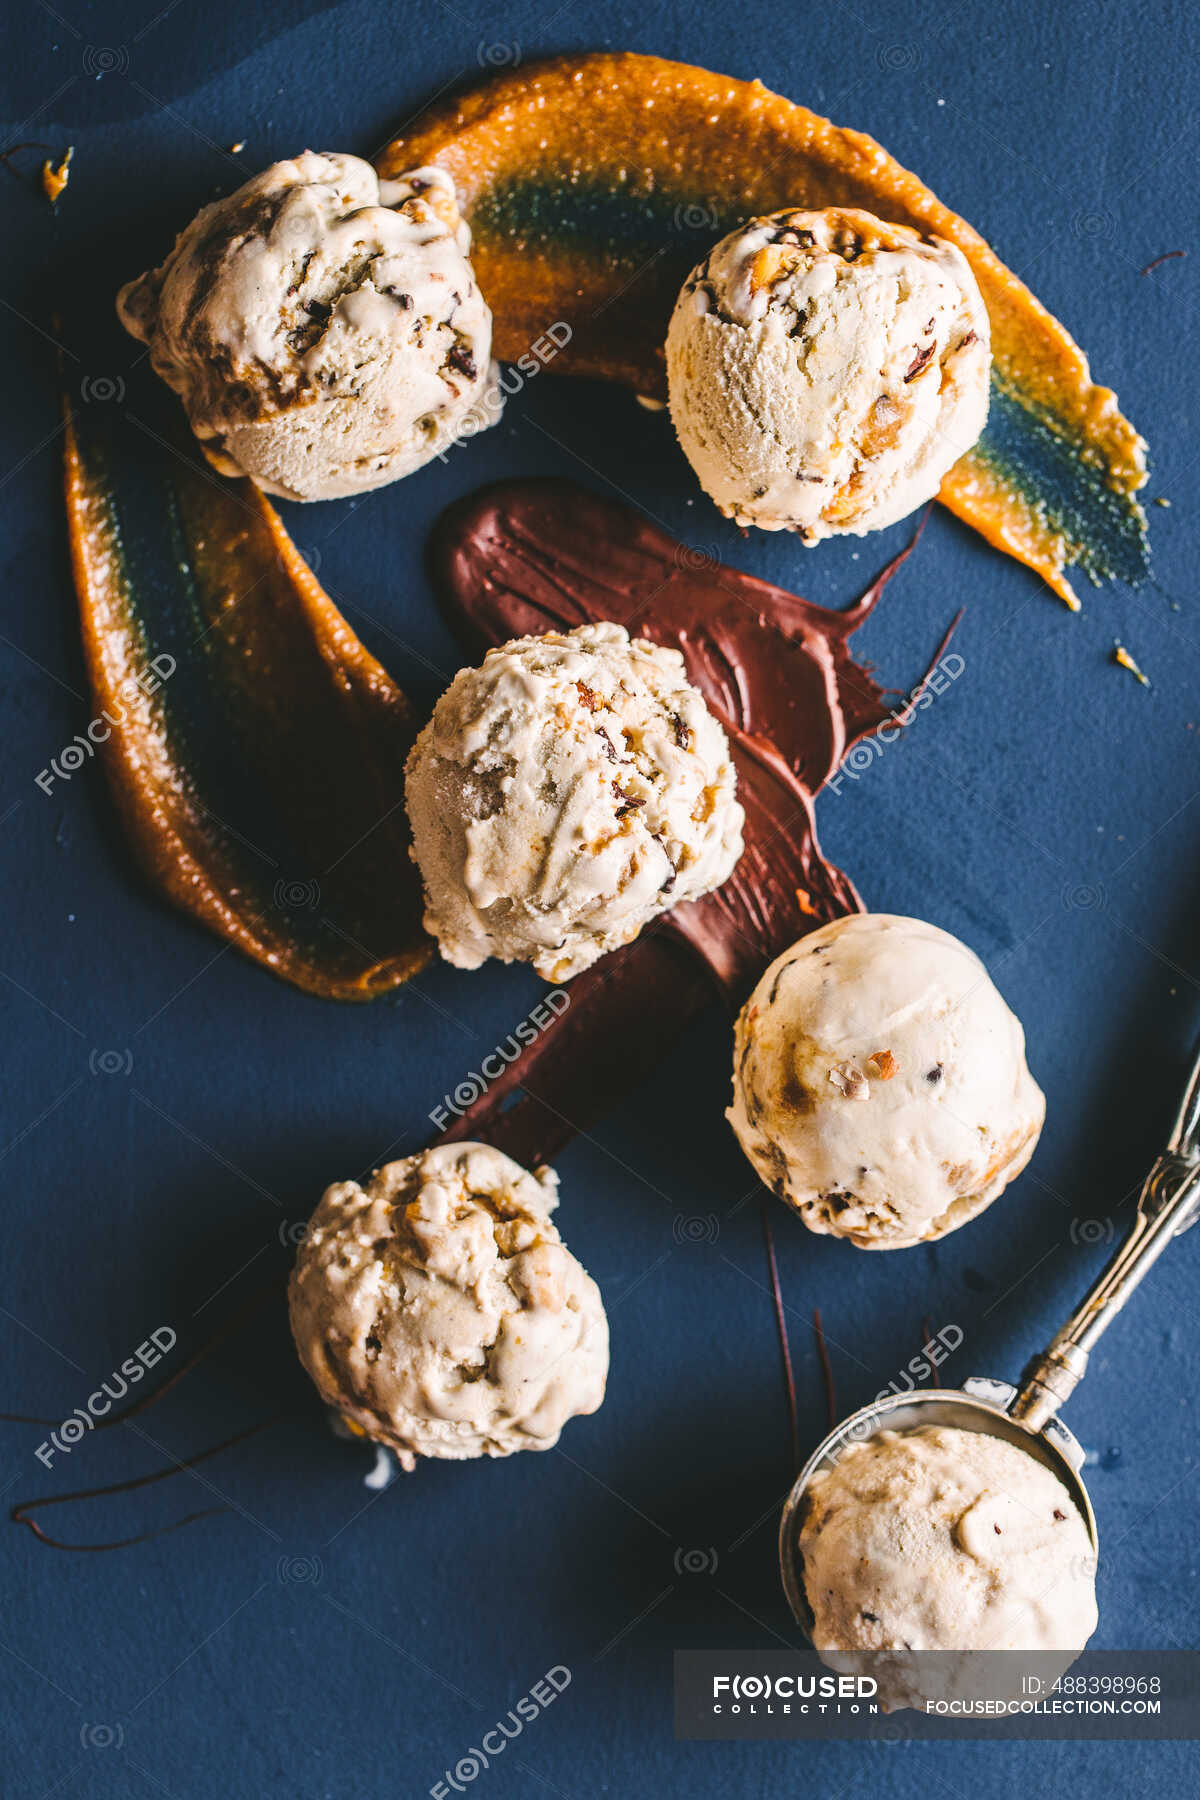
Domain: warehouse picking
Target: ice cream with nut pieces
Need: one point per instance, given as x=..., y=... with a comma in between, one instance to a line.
x=439, y=1312
x=826, y=370
x=323, y=329
x=565, y=793
x=880, y=1085
x=935, y=1539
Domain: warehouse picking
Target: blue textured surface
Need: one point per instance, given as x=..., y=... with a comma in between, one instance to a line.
x=319, y=1641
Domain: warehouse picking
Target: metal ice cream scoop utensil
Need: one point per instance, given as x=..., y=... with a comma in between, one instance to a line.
x=1027, y=1416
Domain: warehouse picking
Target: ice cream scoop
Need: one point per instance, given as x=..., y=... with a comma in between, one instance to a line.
x=439, y=1312
x=323, y=329
x=826, y=370
x=905, y=1454
x=880, y=1084
x=937, y=1539
x=565, y=793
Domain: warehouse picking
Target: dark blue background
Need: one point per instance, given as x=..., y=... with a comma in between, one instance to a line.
x=317, y=1640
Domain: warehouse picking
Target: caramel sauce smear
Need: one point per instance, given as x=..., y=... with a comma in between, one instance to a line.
x=593, y=184
x=255, y=750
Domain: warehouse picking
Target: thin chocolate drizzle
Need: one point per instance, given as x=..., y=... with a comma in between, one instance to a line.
x=19, y=1514
x=6, y=157
x=826, y=1368
x=781, y=1325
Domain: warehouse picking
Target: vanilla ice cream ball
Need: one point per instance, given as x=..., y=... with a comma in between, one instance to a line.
x=563, y=795
x=880, y=1084
x=938, y=1539
x=826, y=371
x=440, y=1313
x=323, y=329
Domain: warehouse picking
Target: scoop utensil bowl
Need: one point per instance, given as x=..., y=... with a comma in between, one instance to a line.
x=1028, y=1415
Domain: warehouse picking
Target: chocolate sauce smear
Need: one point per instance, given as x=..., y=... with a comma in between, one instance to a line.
x=531, y=556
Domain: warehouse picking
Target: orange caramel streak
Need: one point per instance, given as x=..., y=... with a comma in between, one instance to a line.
x=136, y=760
x=173, y=838
x=734, y=149
x=720, y=138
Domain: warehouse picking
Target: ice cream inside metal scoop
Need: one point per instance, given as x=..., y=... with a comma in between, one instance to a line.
x=1026, y=1416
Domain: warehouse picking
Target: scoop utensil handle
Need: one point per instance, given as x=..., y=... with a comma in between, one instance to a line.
x=1168, y=1203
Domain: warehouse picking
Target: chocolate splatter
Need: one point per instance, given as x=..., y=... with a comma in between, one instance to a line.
x=525, y=557
x=533, y=556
